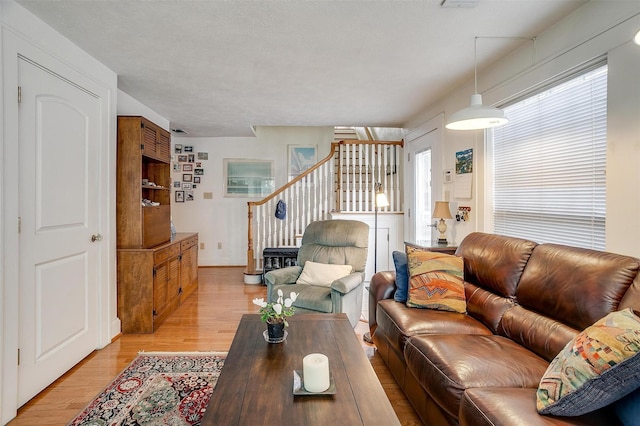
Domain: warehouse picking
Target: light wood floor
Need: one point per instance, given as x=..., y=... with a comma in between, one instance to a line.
x=206, y=321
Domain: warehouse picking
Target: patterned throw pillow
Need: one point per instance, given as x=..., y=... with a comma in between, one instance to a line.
x=598, y=367
x=436, y=281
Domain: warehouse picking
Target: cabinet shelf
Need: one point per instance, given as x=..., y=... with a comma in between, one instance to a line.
x=143, y=156
x=155, y=187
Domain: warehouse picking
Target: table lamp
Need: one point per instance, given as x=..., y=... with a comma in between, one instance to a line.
x=441, y=210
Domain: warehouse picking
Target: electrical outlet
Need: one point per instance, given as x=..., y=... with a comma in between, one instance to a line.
x=201, y=246
x=219, y=246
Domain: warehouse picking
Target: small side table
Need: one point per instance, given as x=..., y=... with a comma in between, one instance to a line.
x=448, y=249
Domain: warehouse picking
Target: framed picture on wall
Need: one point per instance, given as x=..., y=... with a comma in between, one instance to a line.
x=247, y=178
x=179, y=196
x=187, y=177
x=301, y=158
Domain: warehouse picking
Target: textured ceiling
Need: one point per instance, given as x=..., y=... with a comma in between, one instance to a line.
x=216, y=68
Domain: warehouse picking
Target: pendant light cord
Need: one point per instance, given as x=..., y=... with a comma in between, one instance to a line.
x=475, y=54
x=475, y=64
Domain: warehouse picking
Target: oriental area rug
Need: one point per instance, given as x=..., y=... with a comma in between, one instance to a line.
x=157, y=388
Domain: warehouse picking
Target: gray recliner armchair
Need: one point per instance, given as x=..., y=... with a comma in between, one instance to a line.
x=335, y=242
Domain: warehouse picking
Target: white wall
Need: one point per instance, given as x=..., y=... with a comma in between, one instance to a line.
x=223, y=220
x=597, y=29
x=127, y=105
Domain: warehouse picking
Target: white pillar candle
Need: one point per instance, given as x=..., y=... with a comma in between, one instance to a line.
x=315, y=372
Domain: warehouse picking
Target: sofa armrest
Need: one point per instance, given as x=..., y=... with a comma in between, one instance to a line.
x=346, y=284
x=288, y=275
x=382, y=286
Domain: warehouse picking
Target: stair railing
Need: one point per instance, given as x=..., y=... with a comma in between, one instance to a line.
x=343, y=181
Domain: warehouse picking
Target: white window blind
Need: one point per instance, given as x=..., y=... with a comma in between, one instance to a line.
x=549, y=164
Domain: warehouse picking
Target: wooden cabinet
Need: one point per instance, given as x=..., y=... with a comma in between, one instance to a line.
x=188, y=266
x=143, y=183
x=155, y=272
x=153, y=283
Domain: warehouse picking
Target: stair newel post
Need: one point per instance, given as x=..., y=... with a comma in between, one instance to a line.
x=251, y=263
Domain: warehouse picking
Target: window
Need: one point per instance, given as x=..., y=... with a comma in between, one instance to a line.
x=549, y=164
x=422, y=196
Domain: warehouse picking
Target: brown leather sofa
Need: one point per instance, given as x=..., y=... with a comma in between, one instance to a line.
x=525, y=302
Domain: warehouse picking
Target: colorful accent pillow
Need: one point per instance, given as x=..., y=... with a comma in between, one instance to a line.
x=598, y=367
x=322, y=274
x=436, y=281
x=402, y=276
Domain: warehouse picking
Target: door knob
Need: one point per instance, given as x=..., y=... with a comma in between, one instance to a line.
x=96, y=237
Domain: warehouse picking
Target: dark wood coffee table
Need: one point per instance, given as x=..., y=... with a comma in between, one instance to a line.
x=256, y=384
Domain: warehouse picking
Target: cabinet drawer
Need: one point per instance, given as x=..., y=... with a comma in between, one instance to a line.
x=188, y=242
x=166, y=253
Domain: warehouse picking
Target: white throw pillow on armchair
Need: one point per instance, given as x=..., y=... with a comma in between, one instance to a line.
x=322, y=274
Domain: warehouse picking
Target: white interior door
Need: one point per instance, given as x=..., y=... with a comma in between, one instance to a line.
x=58, y=189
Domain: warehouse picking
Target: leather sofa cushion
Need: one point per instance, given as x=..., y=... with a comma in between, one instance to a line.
x=494, y=262
x=447, y=365
x=399, y=322
x=544, y=336
x=485, y=306
x=500, y=406
x=573, y=285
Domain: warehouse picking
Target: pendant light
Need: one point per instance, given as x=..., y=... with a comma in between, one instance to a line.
x=476, y=116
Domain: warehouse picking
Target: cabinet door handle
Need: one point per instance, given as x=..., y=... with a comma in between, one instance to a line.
x=96, y=237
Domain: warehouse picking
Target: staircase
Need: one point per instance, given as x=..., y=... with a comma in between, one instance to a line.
x=344, y=181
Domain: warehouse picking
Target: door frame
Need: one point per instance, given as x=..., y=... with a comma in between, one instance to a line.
x=435, y=124
x=67, y=60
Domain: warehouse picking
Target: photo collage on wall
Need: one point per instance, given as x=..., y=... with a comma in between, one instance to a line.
x=188, y=171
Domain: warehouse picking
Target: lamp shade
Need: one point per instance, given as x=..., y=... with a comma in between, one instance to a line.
x=381, y=200
x=441, y=210
x=476, y=116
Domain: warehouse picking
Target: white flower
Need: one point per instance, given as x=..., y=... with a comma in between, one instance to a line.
x=293, y=296
x=288, y=302
x=278, y=308
x=260, y=302
x=280, y=292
